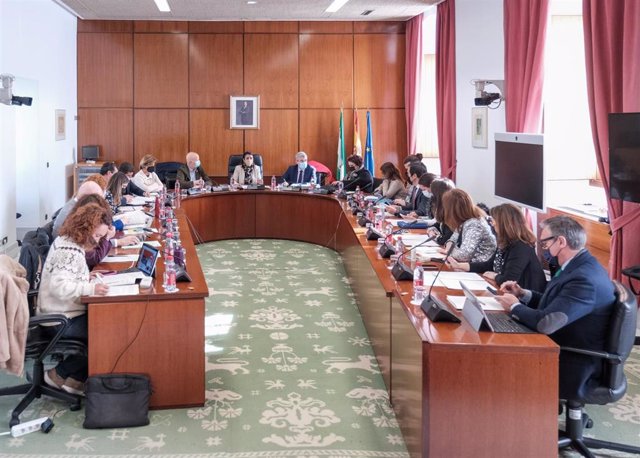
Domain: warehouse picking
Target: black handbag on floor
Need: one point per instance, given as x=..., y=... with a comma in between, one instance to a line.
x=117, y=401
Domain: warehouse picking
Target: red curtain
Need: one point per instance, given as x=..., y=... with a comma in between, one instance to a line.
x=612, y=48
x=446, y=87
x=525, y=27
x=412, y=79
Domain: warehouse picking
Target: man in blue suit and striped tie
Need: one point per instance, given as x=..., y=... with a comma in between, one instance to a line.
x=300, y=173
x=574, y=309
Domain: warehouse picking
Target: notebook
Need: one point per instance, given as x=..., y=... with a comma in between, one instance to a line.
x=498, y=322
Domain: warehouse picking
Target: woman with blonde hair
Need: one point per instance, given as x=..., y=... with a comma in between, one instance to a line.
x=472, y=236
x=146, y=178
x=515, y=259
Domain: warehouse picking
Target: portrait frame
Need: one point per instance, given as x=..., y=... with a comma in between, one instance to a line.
x=479, y=127
x=244, y=112
x=61, y=125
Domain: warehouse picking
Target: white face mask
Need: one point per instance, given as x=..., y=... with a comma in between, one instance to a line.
x=196, y=164
x=426, y=193
x=302, y=165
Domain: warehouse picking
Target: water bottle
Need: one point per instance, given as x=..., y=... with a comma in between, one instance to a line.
x=169, y=279
x=399, y=246
x=176, y=192
x=379, y=219
x=273, y=183
x=312, y=183
x=180, y=254
x=418, y=284
x=340, y=186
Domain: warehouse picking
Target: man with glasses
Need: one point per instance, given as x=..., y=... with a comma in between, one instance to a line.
x=575, y=307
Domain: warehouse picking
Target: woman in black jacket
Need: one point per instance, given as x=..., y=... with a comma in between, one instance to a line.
x=515, y=259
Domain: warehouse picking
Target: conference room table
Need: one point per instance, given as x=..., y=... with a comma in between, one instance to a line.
x=455, y=392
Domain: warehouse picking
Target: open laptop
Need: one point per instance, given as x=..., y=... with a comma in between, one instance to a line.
x=498, y=322
x=146, y=262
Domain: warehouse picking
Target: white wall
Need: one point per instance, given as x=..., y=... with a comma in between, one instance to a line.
x=38, y=46
x=479, y=55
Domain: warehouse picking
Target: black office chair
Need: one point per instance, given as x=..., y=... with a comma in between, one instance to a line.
x=43, y=343
x=236, y=159
x=167, y=172
x=377, y=182
x=613, y=382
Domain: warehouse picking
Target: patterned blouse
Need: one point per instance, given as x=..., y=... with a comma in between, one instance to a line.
x=474, y=241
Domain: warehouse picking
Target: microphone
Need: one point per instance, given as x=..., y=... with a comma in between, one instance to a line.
x=403, y=272
x=431, y=305
x=387, y=249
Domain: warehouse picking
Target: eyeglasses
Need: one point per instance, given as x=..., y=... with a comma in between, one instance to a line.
x=544, y=243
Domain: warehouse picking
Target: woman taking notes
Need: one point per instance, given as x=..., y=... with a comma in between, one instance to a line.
x=515, y=258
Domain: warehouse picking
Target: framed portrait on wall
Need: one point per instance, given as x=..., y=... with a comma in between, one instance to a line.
x=61, y=127
x=244, y=112
x=479, y=127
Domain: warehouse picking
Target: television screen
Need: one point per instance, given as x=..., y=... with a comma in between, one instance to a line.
x=519, y=169
x=624, y=156
x=90, y=152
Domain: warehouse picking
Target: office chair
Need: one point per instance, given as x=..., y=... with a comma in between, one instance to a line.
x=42, y=344
x=236, y=159
x=613, y=382
x=167, y=172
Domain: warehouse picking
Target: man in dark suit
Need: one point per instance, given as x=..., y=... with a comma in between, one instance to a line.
x=191, y=174
x=574, y=310
x=300, y=173
x=417, y=201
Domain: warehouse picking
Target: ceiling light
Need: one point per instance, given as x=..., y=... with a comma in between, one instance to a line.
x=335, y=6
x=251, y=2
x=163, y=5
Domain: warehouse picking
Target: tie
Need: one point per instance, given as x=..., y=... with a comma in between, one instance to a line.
x=299, y=176
x=557, y=274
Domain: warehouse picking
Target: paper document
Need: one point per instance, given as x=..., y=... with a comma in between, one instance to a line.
x=415, y=239
x=121, y=258
x=488, y=303
x=129, y=208
x=123, y=290
x=137, y=246
x=473, y=285
x=128, y=278
x=465, y=276
x=141, y=200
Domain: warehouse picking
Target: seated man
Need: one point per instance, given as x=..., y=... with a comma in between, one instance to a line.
x=192, y=175
x=301, y=172
x=574, y=310
x=108, y=169
x=131, y=189
x=358, y=176
x=86, y=188
x=417, y=201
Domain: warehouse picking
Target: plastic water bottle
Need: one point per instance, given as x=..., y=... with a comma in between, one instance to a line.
x=273, y=183
x=176, y=192
x=312, y=183
x=399, y=246
x=169, y=279
x=418, y=284
x=379, y=219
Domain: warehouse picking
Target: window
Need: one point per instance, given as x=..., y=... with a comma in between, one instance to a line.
x=571, y=159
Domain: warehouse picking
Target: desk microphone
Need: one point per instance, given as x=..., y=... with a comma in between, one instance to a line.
x=387, y=249
x=401, y=271
x=431, y=305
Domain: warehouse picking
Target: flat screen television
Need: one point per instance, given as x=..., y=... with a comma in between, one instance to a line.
x=624, y=156
x=519, y=169
x=90, y=152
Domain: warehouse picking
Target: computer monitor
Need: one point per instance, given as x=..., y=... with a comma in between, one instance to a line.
x=90, y=152
x=624, y=156
x=519, y=169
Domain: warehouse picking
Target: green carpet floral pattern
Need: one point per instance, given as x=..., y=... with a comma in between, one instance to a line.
x=289, y=370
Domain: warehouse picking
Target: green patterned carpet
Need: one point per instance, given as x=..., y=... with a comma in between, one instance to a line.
x=290, y=371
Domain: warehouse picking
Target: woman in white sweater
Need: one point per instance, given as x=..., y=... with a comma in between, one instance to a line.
x=65, y=279
x=247, y=172
x=146, y=178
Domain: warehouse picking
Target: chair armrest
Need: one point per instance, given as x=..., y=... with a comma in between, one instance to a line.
x=55, y=319
x=597, y=354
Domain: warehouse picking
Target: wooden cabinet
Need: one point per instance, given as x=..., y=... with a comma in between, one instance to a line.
x=82, y=170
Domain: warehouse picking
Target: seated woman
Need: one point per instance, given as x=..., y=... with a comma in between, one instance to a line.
x=516, y=257
x=472, y=237
x=146, y=178
x=247, y=172
x=438, y=228
x=358, y=176
x=65, y=279
x=392, y=186
x=115, y=191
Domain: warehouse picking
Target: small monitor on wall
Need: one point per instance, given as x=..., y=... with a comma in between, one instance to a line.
x=624, y=156
x=90, y=152
x=519, y=169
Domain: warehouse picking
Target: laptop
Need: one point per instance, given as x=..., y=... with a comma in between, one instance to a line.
x=498, y=322
x=146, y=262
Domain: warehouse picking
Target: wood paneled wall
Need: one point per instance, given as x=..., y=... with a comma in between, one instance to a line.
x=162, y=88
